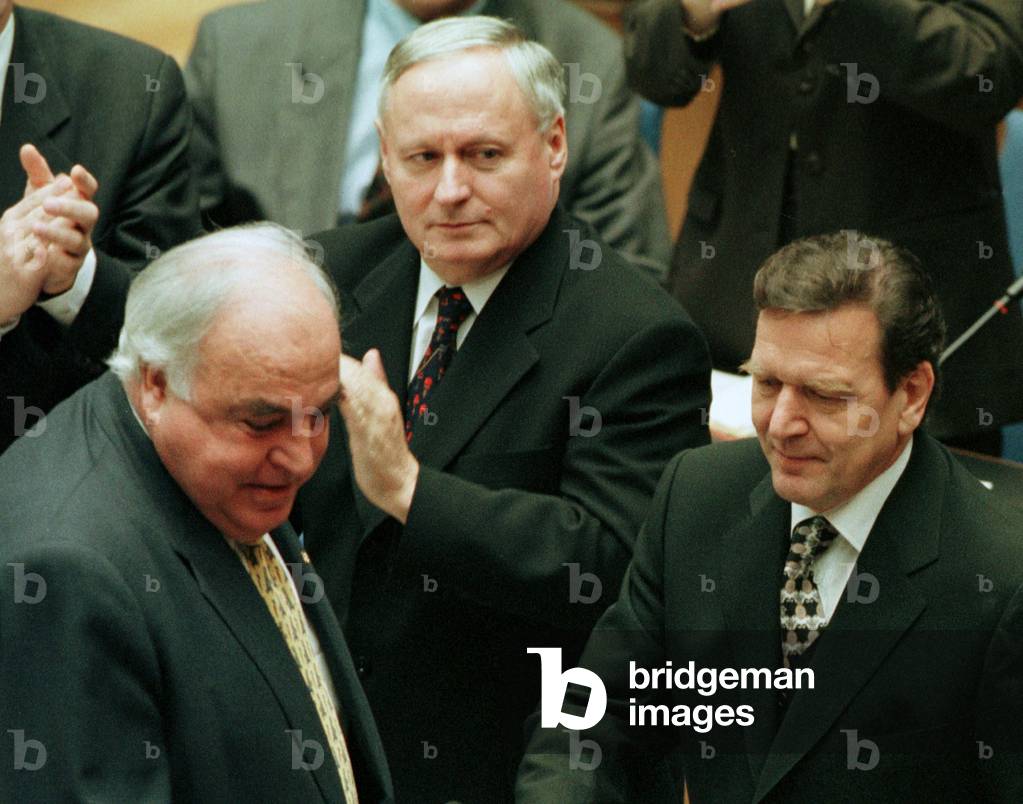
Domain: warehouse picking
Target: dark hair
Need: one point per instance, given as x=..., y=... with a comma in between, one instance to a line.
x=825, y=272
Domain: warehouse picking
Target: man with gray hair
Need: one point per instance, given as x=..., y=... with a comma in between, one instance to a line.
x=847, y=547
x=298, y=79
x=164, y=637
x=519, y=391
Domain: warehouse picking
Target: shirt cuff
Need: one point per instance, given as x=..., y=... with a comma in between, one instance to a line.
x=65, y=307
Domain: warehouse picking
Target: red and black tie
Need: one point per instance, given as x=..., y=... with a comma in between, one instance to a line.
x=453, y=309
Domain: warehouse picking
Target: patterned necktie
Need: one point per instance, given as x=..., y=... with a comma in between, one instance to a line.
x=453, y=309
x=274, y=588
x=802, y=614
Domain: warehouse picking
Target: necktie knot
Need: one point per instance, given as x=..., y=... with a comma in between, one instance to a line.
x=808, y=540
x=453, y=305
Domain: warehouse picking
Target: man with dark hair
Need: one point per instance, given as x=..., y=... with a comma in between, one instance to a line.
x=847, y=547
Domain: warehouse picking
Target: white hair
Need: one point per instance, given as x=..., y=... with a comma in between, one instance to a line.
x=173, y=303
x=539, y=75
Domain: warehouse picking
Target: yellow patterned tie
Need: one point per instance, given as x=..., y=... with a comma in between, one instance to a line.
x=273, y=586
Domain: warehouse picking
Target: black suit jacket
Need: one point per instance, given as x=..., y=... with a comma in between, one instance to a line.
x=512, y=514
x=917, y=677
x=118, y=107
x=894, y=105
x=136, y=649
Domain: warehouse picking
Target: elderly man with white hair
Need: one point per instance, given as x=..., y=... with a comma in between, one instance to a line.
x=164, y=637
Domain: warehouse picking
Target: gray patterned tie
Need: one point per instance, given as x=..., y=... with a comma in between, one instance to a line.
x=802, y=614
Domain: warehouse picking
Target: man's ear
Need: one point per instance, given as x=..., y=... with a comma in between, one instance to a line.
x=152, y=394
x=557, y=143
x=917, y=387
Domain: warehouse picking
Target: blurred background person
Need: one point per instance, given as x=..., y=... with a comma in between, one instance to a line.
x=851, y=114
x=81, y=95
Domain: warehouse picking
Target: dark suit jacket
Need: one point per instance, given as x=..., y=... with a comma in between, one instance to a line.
x=519, y=530
x=118, y=107
x=912, y=161
x=240, y=86
x=920, y=665
x=149, y=667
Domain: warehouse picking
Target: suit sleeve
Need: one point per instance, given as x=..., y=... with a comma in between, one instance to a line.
x=662, y=63
x=79, y=688
x=1000, y=710
x=156, y=210
x=519, y=551
x=611, y=762
x=957, y=63
x=619, y=189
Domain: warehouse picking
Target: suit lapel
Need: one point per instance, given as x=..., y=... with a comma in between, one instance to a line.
x=753, y=553
x=794, y=8
x=497, y=352
x=37, y=116
x=865, y=628
x=327, y=51
x=385, y=299
x=363, y=742
x=223, y=581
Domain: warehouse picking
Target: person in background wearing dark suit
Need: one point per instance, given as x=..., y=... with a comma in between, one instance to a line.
x=285, y=91
x=869, y=115
x=164, y=637
x=74, y=96
x=848, y=543
x=519, y=392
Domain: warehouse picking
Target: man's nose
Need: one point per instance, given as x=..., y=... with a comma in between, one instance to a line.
x=788, y=417
x=453, y=184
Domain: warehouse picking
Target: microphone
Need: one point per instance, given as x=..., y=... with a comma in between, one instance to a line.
x=1000, y=306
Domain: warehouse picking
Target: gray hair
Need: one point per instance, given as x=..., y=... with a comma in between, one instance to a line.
x=827, y=271
x=173, y=303
x=539, y=75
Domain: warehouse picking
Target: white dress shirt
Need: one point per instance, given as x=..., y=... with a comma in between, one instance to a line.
x=853, y=520
x=424, y=317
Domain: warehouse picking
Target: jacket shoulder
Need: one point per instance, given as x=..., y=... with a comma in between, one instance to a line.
x=85, y=44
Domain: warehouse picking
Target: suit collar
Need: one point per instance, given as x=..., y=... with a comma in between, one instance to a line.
x=752, y=555
x=217, y=571
x=30, y=50
x=497, y=352
x=881, y=603
x=802, y=21
x=494, y=356
x=39, y=114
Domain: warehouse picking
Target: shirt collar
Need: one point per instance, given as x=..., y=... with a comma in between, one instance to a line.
x=855, y=519
x=478, y=292
x=6, y=47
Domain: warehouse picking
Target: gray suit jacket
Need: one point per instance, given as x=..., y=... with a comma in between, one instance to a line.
x=272, y=84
